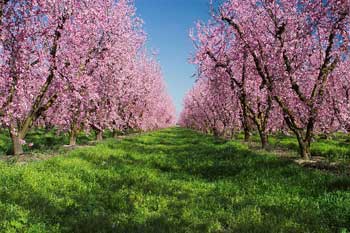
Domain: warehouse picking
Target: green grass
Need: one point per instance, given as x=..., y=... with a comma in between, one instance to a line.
x=43, y=141
x=173, y=180
x=335, y=149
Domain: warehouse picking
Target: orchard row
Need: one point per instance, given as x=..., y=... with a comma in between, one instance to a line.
x=77, y=65
x=272, y=66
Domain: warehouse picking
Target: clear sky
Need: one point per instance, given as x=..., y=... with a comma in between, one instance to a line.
x=167, y=23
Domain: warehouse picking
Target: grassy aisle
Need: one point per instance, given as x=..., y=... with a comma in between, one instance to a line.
x=173, y=180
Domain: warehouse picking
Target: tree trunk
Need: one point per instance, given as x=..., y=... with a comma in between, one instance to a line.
x=17, y=139
x=305, y=148
x=73, y=138
x=99, y=135
x=232, y=133
x=245, y=121
x=115, y=134
x=246, y=134
x=17, y=147
x=264, y=139
x=215, y=132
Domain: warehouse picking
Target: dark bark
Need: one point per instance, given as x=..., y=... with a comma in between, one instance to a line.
x=73, y=138
x=245, y=119
x=215, y=132
x=305, y=148
x=264, y=138
x=17, y=147
x=99, y=135
x=115, y=134
x=246, y=134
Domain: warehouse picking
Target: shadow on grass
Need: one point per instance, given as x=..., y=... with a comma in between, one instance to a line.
x=173, y=180
x=41, y=140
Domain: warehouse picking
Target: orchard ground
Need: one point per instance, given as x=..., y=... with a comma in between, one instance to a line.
x=172, y=180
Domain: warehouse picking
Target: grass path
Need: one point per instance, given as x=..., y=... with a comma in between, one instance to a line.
x=173, y=180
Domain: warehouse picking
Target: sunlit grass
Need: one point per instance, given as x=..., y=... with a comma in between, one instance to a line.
x=335, y=149
x=173, y=180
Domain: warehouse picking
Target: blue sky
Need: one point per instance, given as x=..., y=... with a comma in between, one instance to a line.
x=167, y=23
